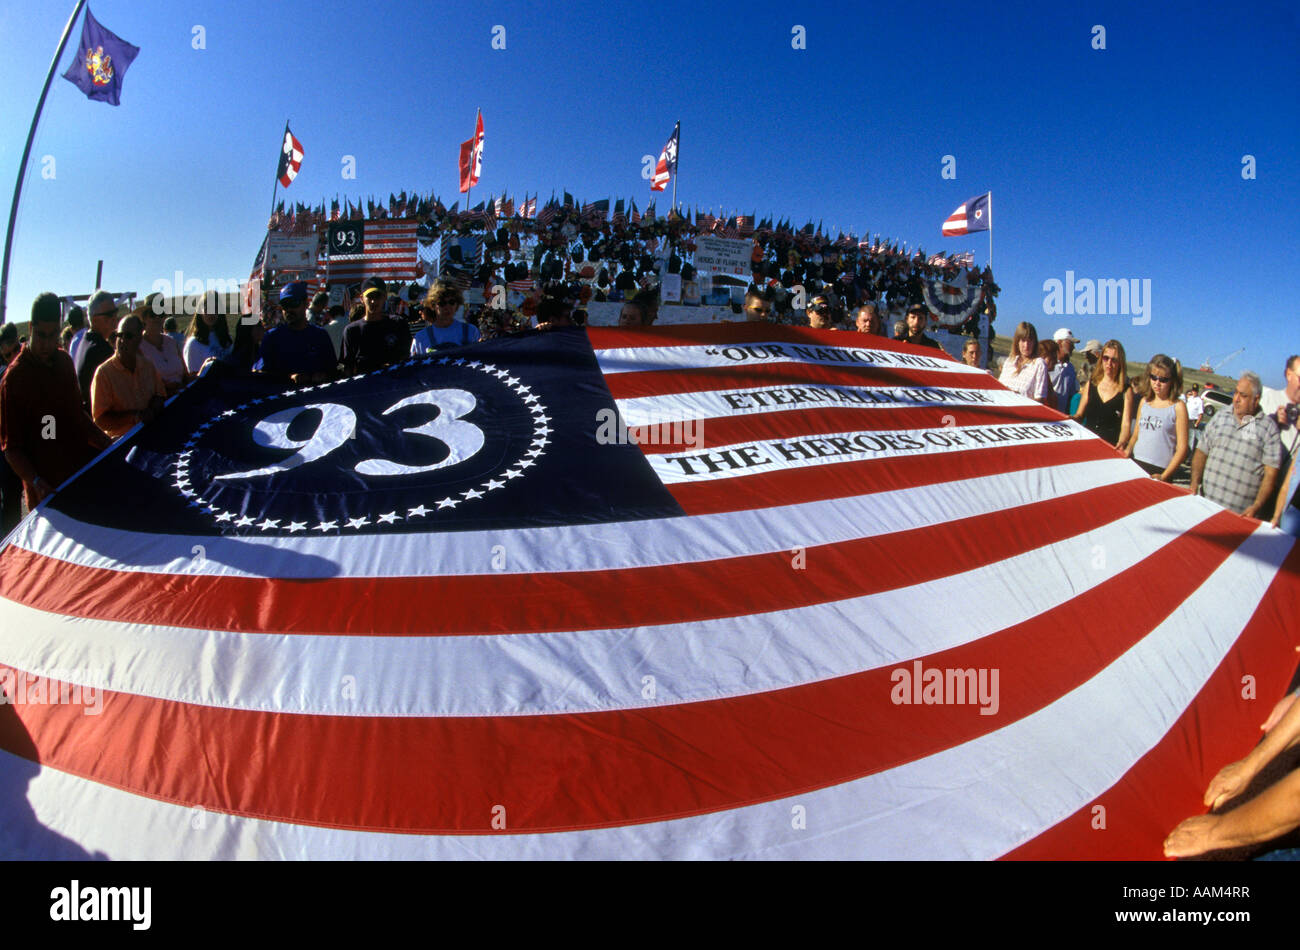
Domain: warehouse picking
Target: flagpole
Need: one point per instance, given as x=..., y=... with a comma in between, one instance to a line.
x=470, y=190
x=276, y=183
x=678, y=170
x=990, y=231
x=27, y=151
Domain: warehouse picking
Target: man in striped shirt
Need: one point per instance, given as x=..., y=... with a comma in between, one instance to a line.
x=1239, y=456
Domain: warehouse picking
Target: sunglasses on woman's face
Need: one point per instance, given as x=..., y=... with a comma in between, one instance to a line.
x=1159, y=379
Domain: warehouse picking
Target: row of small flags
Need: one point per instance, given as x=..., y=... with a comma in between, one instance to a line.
x=300, y=219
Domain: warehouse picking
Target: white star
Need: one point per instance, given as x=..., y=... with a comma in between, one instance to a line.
x=540, y=441
x=494, y=484
x=268, y=524
x=474, y=365
x=225, y=516
x=512, y=473
x=293, y=526
x=501, y=373
x=326, y=526
x=525, y=463
x=531, y=398
x=389, y=518
x=243, y=522
x=544, y=430
x=358, y=522
x=539, y=415
x=472, y=493
x=188, y=493
x=229, y=412
x=521, y=388
x=534, y=452
x=419, y=511
x=448, y=503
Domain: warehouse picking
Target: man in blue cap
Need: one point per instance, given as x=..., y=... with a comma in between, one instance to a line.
x=296, y=349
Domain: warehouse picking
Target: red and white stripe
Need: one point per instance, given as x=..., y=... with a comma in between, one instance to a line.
x=713, y=685
x=292, y=149
x=955, y=224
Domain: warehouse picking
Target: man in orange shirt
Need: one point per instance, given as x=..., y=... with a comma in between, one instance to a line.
x=127, y=388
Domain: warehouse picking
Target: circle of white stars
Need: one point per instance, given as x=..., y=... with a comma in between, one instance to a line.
x=419, y=513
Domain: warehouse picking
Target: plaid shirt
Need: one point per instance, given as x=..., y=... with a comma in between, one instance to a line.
x=1237, y=453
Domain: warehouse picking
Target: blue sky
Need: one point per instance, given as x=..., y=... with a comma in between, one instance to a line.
x=1114, y=164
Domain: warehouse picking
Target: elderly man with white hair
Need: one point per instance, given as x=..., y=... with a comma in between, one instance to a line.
x=1237, y=461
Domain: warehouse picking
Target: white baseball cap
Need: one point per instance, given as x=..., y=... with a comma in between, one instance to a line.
x=1064, y=334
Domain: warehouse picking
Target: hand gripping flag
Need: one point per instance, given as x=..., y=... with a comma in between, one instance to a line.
x=101, y=63
x=290, y=158
x=628, y=594
x=471, y=157
x=973, y=215
x=667, y=166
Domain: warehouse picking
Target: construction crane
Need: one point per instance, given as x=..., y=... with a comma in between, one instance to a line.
x=1209, y=366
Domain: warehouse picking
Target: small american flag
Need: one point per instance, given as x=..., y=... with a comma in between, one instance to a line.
x=972, y=215
x=667, y=165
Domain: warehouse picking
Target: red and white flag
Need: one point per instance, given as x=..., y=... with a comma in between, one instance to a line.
x=795, y=572
x=471, y=157
x=970, y=216
x=290, y=158
x=667, y=165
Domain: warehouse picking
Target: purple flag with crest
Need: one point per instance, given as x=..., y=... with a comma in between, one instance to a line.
x=101, y=63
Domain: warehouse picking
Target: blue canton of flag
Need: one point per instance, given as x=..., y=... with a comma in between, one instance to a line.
x=101, y=63
x=500, y=436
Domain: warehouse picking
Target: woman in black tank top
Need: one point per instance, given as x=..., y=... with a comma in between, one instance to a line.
x=1105, y=417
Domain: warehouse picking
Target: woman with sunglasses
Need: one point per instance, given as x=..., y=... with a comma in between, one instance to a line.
x=1107, y=401
x=1159, y=439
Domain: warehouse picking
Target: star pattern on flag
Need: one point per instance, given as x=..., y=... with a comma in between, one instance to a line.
x=541, y=433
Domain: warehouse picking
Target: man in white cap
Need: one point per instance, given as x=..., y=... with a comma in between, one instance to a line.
x=1063, y=379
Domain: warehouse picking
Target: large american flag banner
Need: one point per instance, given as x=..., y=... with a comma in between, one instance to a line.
x=738, y=591
x=389, y=250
